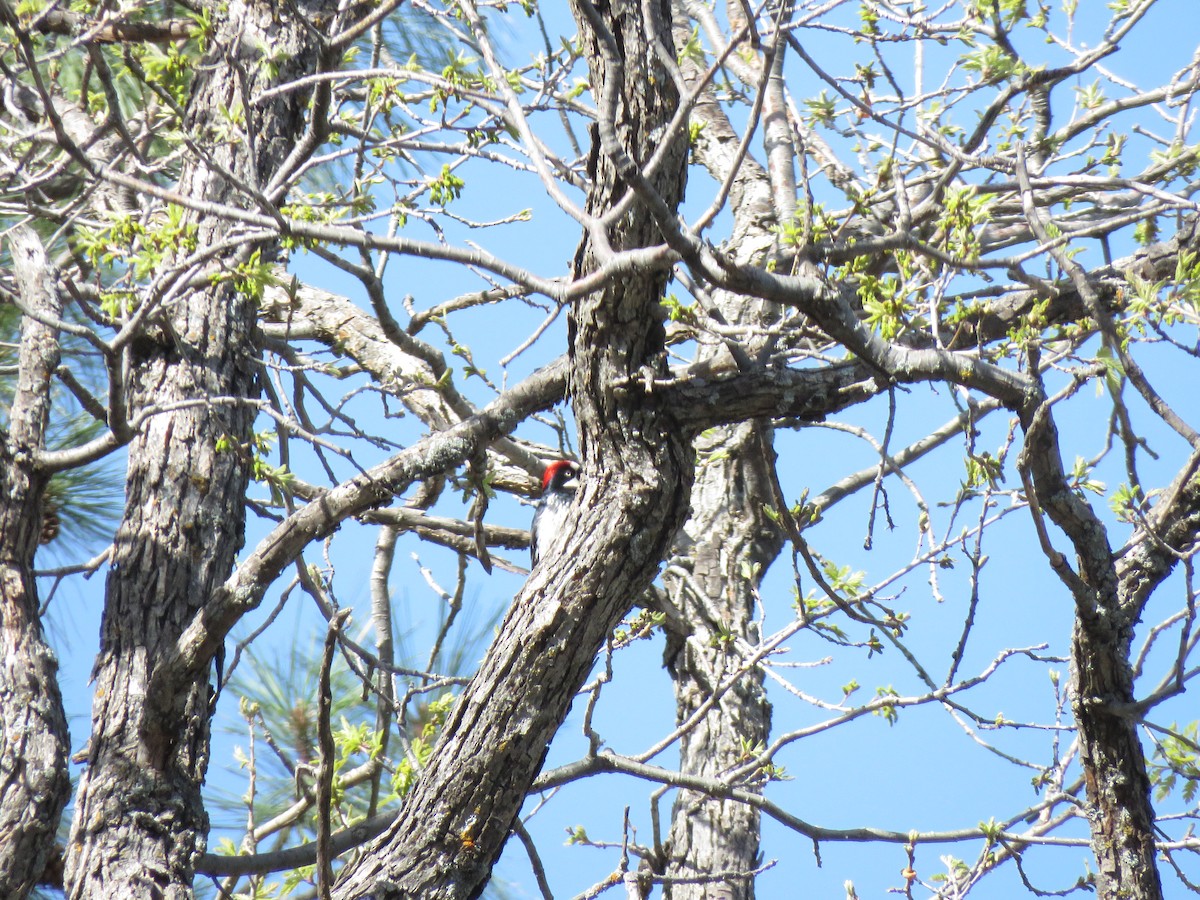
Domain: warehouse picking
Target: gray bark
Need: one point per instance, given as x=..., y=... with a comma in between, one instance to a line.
x=1119, y=811
x=34, y=785
x=140, y=823
x=637, y=470
x=728, y=542
x=726, y=547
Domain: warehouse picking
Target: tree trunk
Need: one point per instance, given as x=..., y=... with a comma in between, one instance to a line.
x=1119, y=810
x=1114, y=769
x=637, y=470
x=140, y=823
x=34, y=785
x=727, y=544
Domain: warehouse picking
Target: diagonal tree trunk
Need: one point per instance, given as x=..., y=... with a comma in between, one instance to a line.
x=34, y=785
x=140, y=823
x=637, y=470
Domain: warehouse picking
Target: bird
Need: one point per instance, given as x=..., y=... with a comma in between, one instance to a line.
x=559, y=483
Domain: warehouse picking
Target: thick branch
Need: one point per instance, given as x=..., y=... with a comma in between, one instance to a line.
x=430, y=456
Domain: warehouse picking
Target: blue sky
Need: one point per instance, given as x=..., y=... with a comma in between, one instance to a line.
x=923, y=772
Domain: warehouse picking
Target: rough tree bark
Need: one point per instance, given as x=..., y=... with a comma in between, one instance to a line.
x=637, y=469
x=726, y=547
x=34, y=785
x=1118, y=787
x=1119, y=812
x=728, y=541
x=140, y=824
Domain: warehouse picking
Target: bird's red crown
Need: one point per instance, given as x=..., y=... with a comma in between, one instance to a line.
x=553, y=469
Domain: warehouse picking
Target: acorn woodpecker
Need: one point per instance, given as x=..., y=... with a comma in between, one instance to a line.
x=559, y=482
